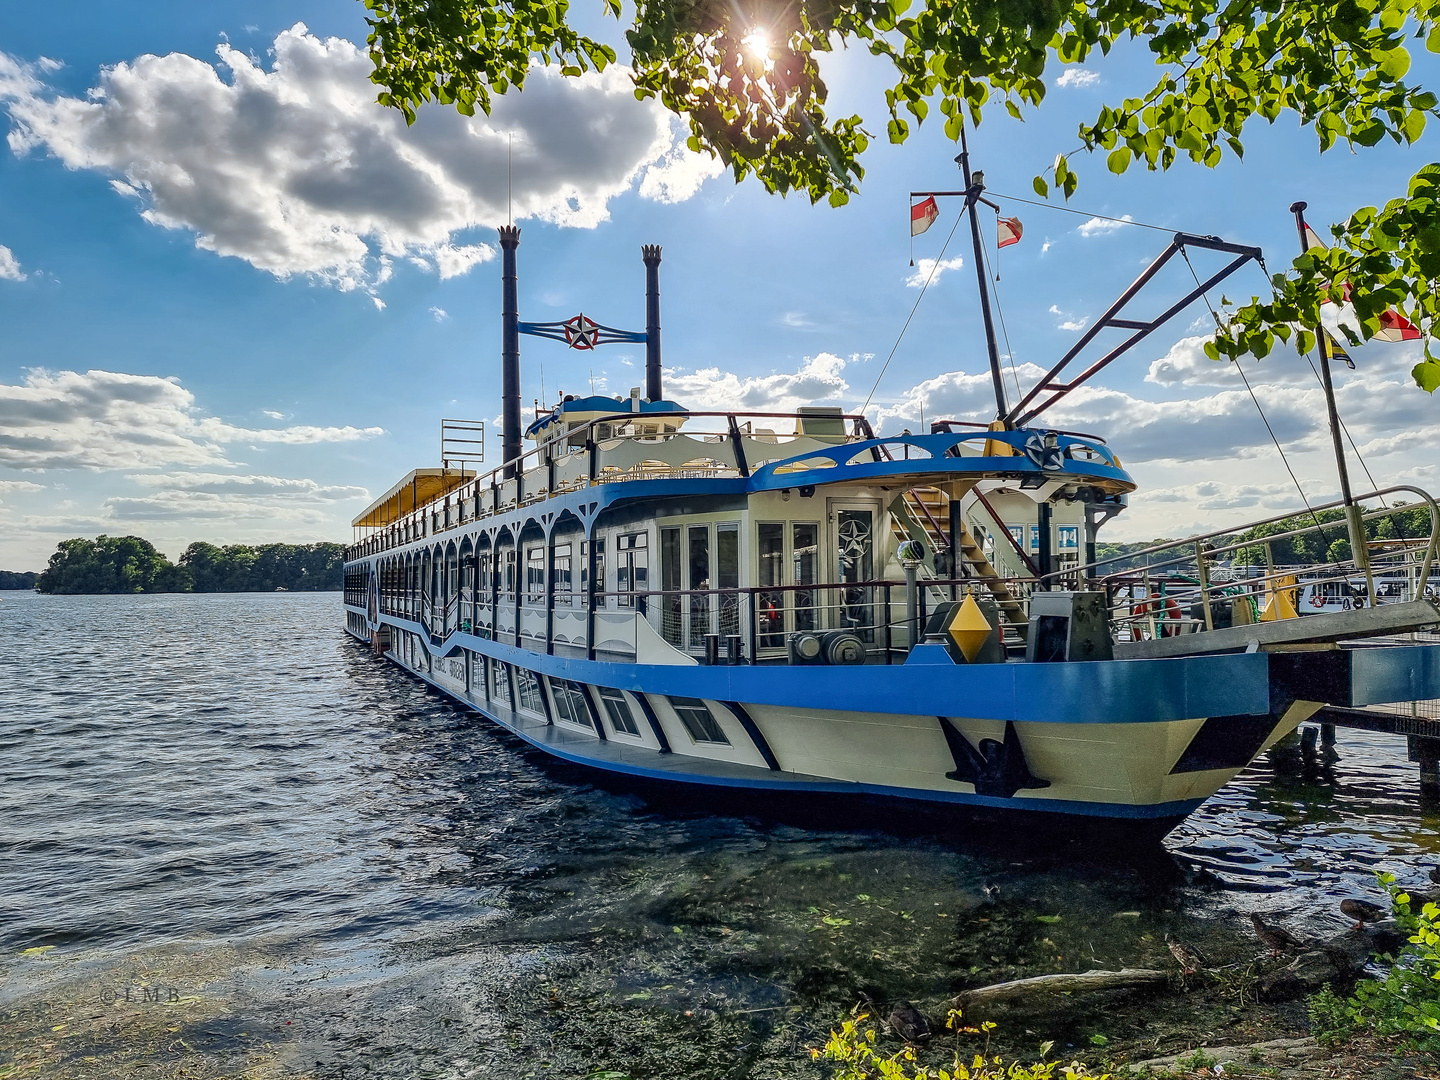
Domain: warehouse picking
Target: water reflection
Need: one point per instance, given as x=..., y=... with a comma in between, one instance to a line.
x=344, y=866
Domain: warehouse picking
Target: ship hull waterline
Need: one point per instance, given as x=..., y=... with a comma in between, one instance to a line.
x=1128, y=747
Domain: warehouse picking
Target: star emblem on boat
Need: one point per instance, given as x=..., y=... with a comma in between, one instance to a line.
x=581, y=333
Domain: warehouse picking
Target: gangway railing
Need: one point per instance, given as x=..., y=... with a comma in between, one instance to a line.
x=1158, y=600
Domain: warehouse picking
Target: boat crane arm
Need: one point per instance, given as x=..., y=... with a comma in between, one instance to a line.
x=1020, y=415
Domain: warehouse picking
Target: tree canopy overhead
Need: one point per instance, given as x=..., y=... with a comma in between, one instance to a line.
x=744, y=75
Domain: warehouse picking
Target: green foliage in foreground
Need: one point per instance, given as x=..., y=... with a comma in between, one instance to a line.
x=854, y=1050
x=1407, y=1000
x=13, y=579
x=128, y=564
x=746, y=79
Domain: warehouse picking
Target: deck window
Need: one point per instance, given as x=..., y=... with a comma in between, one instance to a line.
x=618, y=709
x=570, y=703
x=670, y=625
x=500, y=684
x=632, y=569
x=727, y=575
x=805, y=564
x=527, y=692
x=698, y=544
x=771, y=536
x=535, y=574
x=698, y=721
x=562, y=571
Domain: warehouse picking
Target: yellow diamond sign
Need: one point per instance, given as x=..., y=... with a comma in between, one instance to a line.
x=969, y=628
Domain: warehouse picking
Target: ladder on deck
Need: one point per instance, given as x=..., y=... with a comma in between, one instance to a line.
x=929, y=509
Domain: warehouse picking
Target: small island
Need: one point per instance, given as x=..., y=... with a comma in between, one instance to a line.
x=130, y=564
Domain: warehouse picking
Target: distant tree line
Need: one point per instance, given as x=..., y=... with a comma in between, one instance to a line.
x=128, y=564
x=11, y=579
x=1326, y=541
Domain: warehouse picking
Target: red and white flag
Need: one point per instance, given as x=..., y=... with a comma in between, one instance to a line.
x=1395, y=327
x=923, y=215
x=1010, y=231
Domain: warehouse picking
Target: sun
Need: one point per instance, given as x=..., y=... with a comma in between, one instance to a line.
x=757, y=42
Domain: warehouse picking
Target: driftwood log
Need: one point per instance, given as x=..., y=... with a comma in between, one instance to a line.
x=1060, y=984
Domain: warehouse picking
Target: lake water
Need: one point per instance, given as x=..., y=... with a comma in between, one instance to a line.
x=293, y=859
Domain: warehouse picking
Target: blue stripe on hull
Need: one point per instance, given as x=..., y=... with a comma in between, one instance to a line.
x=1096, y=692
x=628, y=761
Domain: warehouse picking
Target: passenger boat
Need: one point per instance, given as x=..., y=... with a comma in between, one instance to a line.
x=791, y=603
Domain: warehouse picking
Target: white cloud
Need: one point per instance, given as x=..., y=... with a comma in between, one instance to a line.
x=1068, y=322
x=111, y=420
x=1077, y=77
x=296, y=170
x=930, y=270
x=1098, y=226
x=452, y=261
x=679, y=174
x=1046, y=246
x=820, y=378
x=439, y=314
x=9, y=487
x=10, y=266
x=797, y=320
x=209, y=496
x=272, y=414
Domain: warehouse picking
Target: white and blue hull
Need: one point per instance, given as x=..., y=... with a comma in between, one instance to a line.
x=1143, y=741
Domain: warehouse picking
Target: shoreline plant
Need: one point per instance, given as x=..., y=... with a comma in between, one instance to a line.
x=1406, y=1001
x=856, y=1050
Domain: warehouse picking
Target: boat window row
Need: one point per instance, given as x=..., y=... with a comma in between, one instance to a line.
x=603, y=710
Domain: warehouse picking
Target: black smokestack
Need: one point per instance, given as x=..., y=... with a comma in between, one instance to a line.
x=509, y=351
x=651, y=254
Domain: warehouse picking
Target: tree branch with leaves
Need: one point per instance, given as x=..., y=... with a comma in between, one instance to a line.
x=745, y=76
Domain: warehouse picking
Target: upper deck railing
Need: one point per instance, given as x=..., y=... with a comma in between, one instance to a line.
x=627, y=446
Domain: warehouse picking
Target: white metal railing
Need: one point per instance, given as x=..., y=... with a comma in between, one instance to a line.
x=1185, y=585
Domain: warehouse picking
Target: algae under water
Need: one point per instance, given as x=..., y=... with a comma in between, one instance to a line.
x=236, y=844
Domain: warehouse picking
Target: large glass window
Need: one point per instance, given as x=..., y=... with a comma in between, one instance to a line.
x=727, y=575
x=632, y=573
x=855, y=540
x=670, y=627
x=570, y=703
x=527, y=691
x=698, y=721
x=618, y=709
x=585, y=568
x=698, y=545
x=771, y=605
x=500, y=684
x=535, y=574
x=563, y=579
x=805, y=568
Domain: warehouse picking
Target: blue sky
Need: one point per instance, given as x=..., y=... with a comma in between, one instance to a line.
x=238, y=297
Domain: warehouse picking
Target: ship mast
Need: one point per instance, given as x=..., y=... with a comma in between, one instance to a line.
x=1354, y=524
x=974, y=187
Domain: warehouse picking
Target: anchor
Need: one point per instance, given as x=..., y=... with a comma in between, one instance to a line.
x=996, y=768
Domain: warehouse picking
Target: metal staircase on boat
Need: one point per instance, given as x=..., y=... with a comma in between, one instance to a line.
x=928, y=511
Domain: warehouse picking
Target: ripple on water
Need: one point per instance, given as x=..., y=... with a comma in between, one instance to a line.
x=232, y=773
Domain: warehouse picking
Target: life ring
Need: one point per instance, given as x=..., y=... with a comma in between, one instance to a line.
x=1172, y=625
x=1318, y=600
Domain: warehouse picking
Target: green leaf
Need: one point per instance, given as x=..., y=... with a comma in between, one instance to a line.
x=1041, y=187
x=1395, y=63
x=1119, y=160
x=1426, y=375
